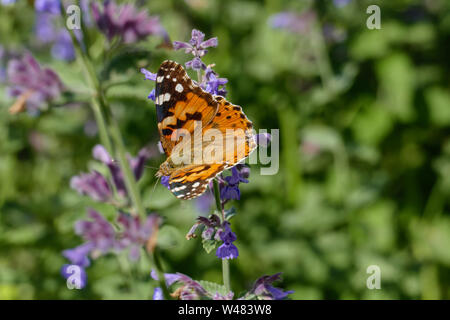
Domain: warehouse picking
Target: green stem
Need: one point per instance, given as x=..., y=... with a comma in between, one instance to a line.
x=225, y=262
x=105, y=121
x=156, y=260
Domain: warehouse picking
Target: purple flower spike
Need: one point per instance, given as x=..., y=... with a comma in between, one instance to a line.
x=264, y=290
x=93, y=185
x=98, y=232
x=196, y=45
x=135, y=233
x=32, y=84
x=126, y=22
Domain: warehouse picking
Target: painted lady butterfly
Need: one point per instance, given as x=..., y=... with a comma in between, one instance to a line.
x=182, y=105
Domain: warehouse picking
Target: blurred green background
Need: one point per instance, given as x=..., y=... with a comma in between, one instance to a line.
x=364, y=179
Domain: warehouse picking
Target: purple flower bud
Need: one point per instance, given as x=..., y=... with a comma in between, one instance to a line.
x=208, y=233
x=195, y=64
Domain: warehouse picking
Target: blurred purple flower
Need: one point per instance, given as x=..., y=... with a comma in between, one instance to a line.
x=158, y=294
x=63, y=49
x=135, y=234
x=79, y=255
x=218, y=296
x=45, y=27
x=83, y=276
x=48, y=6
x=137, y=165
x=126, y=22
x=298, y=23
x=264, y=290
x=263, y=139
x=227, y=250
x=98, y=232
x=149, y=76
x=32, y=84
x=189, y=290
x=93, y=185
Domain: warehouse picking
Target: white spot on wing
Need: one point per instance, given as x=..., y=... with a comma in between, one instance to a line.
x=179, y=88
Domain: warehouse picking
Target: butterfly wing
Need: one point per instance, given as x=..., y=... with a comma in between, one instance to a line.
x=238, y=140
x=193, y=180
x=179, y=103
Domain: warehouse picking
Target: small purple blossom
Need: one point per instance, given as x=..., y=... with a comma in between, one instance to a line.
x=137, y=165
x=126, y=22
x=32, y=84
x=135, y=234
x=264, y=290
x=214, y=84
x=165, y=181
x=227, y=250
x=79, y=255
x=158, y=294
x=230, y=189
x=97, y=231
x=341, y=3
x=263, y=139
x=204, y=202
x=62, y=48
x=149, y=76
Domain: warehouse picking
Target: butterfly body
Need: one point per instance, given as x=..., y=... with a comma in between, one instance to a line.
x=201, y=134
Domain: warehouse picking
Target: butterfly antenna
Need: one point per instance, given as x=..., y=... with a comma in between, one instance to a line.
x=154, y=187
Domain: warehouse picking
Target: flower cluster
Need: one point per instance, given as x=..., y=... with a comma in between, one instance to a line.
x=31, y=84
x=125, y=22
x=216, y=232
x=190, y=289
x=96, y=186
x=101, y=237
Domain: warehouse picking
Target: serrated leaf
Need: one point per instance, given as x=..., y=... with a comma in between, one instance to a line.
x=209, y=245
x=213, y=287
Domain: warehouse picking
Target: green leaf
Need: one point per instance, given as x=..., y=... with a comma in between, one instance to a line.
x=213, y=287
x=209, y=245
